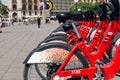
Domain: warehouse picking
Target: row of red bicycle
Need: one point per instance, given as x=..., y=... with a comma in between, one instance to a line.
x=82, y=48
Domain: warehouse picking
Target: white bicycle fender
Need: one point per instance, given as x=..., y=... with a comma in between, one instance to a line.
x=39, y=57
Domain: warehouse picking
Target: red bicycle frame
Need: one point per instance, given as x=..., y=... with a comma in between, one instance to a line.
x=83, y=31
x=108, y=70
x=92, y=57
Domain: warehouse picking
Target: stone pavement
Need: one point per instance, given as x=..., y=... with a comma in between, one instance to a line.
x=15, y=44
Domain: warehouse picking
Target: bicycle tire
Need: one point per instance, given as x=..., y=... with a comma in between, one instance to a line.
x=60, y=28
x=55, y=45
x=56, y=38
x=114, y=40
x=90, y=33
x=26, y=70
x=62, y=38
x=112, y=46
x=59, y=38
x=54, y=35
x=58, y=32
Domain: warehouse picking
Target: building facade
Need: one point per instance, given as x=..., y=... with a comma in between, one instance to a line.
x=28, y=8
x=23, y=8
x=94, y=1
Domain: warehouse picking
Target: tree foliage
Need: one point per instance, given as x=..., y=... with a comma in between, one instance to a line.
x=83, y=6
x=3, y=8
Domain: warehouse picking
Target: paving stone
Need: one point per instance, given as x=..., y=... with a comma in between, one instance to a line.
x=16, y=42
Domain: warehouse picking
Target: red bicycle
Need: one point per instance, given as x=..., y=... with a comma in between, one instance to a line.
x=70, y=36
x=106, y=70
x=60, y=71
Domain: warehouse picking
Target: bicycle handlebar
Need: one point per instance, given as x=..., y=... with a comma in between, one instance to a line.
x=114, y=7
x=76, y=31
x=102, y=11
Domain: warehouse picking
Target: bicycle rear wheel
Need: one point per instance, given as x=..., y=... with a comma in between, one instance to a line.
x=114, y=45
x=58, y=54
x=54, y=39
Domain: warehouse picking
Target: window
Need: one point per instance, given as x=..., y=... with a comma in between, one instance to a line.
x=40, y=12
x=35, y=7
x=23, y=7
x=30, y=2
x=24, y=1
x=24, y=13
x=35, y=12
x=30, y=7
x=14, y=7
x=29, y=12
x=14, y=1
x=35, y=1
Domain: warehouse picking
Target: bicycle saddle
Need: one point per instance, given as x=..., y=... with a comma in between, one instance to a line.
x=67, y=26
x=63, y=16
x=77, y=16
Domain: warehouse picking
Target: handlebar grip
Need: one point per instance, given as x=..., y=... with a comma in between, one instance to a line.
x=114, y=7
x=92, y=15
x=86, y=16
x=110, y=5
x=102, y=11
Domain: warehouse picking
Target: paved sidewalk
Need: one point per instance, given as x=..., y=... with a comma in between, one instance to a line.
x=15, y=44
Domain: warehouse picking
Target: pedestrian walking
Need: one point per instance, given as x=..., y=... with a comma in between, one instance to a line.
x=0, y=24
x=26, y=21
x=38, y=22
x=12, y=22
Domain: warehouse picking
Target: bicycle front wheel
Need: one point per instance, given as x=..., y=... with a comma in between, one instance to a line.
x=57, y=53
x=30, y=73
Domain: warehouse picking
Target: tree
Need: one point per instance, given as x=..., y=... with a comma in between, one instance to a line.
x=83, y=6
x=3, y=8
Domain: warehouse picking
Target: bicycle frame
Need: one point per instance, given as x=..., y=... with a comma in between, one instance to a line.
x=113, y=67
x=92, y=57
x=110, y=32
x=96, y=40
x=83, y=31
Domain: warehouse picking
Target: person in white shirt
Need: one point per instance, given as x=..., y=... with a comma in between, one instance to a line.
x=26, y=21
x=0, y=24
